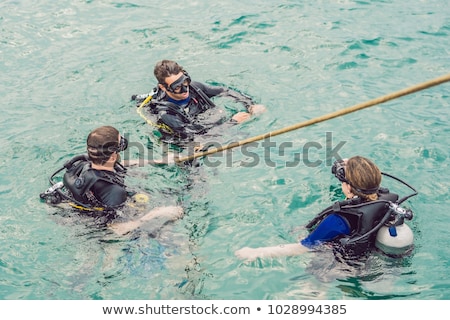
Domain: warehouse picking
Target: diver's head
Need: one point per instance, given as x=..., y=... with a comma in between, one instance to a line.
x=172, y=79
x=359, y=177
x=105, y=143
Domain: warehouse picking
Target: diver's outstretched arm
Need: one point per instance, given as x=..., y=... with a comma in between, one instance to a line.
x=282, y=250
x=168, y=158
x=171, y=213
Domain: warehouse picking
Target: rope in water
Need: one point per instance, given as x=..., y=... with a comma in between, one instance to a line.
x=360, y=106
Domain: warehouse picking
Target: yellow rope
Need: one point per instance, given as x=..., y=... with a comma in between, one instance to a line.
x=332, y=115
x=79, y=207
x=156, y=125
x=139, y=110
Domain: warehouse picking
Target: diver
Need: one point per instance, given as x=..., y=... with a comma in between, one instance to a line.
x=182, y=109
x=94, y=183
x=352, y=227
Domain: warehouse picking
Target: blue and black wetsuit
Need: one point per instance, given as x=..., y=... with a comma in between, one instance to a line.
x=351, y=225
x=330, y=228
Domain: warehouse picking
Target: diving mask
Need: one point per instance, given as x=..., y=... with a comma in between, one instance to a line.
x=180, y=85
x=338, y=169
x=123, y=144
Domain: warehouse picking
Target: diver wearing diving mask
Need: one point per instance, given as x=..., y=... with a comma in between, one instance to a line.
x=180, y=105
x=94, y=181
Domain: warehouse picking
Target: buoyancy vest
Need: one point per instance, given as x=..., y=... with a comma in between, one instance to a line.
x=199, y=103
x=80, y=177
x=364, y=219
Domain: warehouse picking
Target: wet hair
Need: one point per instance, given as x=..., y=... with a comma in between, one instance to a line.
x=102, y=143
x=166, y=68
x=362, y=174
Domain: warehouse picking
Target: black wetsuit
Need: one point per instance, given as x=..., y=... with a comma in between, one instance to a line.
x=107, y=193
x=183, y=120
x=95, y=188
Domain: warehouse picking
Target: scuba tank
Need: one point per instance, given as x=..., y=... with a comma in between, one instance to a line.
x=395, y=237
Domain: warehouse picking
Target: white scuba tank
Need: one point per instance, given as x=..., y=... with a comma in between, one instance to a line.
x=395, y=240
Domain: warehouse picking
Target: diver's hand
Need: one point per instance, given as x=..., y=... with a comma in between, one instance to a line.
x=253, y=110
x=257, y=109
x=241, y=117
x=249, y=254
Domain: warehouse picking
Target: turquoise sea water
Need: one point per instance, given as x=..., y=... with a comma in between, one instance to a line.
x=70, y=66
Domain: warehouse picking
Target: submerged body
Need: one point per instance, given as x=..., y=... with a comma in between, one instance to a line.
x=182, y=109
x=94, y=184
x=350, y=227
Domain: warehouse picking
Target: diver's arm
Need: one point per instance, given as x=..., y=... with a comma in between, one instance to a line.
x=252, y=108
x=168, y=158
x=282, y=250
x=250, y=105
x=209, y=90
x=171, y=213
x=238, y=97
